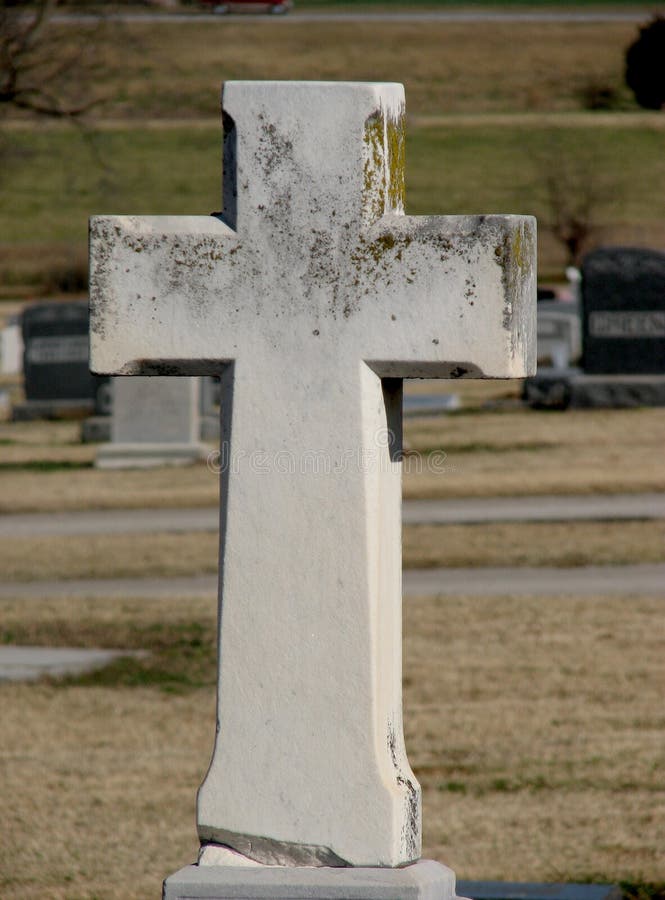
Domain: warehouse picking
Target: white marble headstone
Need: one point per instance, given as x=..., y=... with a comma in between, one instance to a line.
x=11, y=349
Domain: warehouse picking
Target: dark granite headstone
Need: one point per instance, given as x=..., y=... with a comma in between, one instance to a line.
x=56, y=376
x=623, y=312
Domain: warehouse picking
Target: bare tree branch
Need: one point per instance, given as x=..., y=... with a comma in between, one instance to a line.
x=40, y=71
x=577, y=193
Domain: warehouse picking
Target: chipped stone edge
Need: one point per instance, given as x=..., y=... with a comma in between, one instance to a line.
x=265, y=851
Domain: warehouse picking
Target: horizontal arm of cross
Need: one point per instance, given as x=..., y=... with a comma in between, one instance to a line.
x=435, y=296
x=449, y=296
x=151, y=280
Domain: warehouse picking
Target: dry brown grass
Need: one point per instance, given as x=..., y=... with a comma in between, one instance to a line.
x=99, y=783
x=170, y=555
x=162, y=70
x=537, y=731
x=529, y=452
x=108, y=556
x=99, y=789
x=89, y=617
x=535, y=728
x=172, y=73
x=38, y=434
x=17, y=261
x=496, y=453
x=27, y=491
x=518, y=428
x=534, y=544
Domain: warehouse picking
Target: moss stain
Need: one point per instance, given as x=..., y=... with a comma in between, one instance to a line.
x=518, y=251
x=384, y=166
x=514, y=255
x=374, y=199
x=396, y=141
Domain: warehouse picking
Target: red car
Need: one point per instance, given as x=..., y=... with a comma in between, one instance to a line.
x=275, y=7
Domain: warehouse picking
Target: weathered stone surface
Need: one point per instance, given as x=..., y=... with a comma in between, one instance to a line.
x=312, y=295
x=313, y=244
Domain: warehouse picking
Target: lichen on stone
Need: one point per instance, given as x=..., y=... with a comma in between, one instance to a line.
x=383, y=164
x=396, y=141
x=516, y=254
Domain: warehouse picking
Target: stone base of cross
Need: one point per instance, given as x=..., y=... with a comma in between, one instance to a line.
x=312, y=296
x=422, y=880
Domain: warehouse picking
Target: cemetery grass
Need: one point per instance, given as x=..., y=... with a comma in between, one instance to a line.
x=151, y=151
x=569, y=787
x=155, y=71
x=424, y=546
x=476, y=452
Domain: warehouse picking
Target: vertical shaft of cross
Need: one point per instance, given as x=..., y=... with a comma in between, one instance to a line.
x=310, y=623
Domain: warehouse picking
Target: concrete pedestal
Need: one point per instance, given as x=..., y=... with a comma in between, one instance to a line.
x=423, y=880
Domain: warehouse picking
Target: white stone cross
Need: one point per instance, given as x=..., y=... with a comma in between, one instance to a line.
x=313, y=295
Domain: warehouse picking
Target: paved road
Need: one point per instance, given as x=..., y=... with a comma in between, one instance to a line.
x=472, y=510
x=109, y=521
x=403, y=17
x=588, y=581
x=476, y=510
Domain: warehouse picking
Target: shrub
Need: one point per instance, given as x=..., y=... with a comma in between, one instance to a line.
x=645, y=65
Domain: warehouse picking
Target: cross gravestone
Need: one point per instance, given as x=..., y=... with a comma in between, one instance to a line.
x=312, y=296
